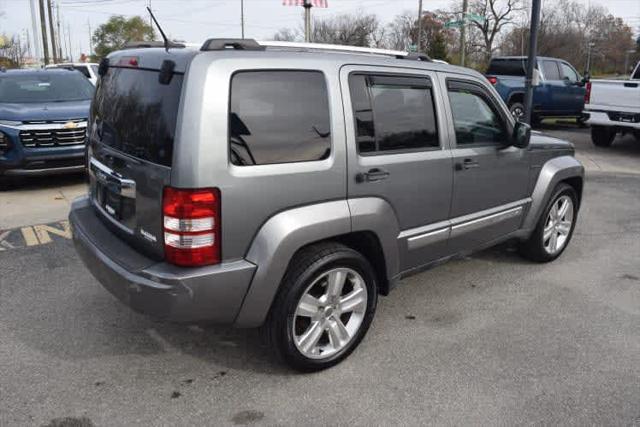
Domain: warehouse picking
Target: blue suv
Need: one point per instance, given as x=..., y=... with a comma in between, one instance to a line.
x=43, y=121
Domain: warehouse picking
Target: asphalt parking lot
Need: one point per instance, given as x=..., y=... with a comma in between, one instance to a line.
x=489, y=339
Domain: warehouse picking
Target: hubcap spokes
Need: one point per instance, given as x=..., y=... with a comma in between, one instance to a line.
x=558, y=225
x=330, y=313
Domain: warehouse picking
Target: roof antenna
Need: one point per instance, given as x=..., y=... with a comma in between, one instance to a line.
x=167, y=43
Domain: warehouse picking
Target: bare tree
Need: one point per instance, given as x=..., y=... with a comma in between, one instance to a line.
x=12, y=51
x=354, y=30
x=496, y=15
x=286, y=35
x=571, y=31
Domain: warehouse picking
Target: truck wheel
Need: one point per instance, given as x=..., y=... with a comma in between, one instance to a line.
x=324, y=308
x=602, y=136
x=555, y=226
x=517, y=110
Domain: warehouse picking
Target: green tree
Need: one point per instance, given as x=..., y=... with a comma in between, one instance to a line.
x=117, y=31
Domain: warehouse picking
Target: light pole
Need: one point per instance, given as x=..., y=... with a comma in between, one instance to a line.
x=463, y=32
x=531, y=61
x=419, y=25
x=307, y=21
x=242, y=17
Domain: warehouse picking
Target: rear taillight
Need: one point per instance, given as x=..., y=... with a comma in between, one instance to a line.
x=493, y=80
x=587, y=94
x=191, y=221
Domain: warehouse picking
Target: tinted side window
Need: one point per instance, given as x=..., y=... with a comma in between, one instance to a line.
x=476, y=120
x=278, y=117
x=84, y=71
x=636, y=75
x=393, y=113
x=551, y=71
x=568, y=72
x=508, y=67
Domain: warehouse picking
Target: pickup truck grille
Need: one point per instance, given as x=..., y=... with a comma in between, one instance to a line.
x=41, y=138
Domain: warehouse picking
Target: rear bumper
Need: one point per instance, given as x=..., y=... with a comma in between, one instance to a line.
x=206, y=294
x=602, y=118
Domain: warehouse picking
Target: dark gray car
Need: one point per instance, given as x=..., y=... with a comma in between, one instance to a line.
x=287, y=186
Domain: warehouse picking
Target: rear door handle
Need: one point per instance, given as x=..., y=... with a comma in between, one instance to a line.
x=467, y=164
x=373, y=175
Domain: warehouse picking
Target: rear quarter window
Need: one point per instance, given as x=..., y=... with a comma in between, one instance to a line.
x=508, y=67
x=278, y=117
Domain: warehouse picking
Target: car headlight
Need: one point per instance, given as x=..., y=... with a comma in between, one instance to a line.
x=10, y=123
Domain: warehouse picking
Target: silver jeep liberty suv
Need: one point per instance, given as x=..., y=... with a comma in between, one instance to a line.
x=288, y=185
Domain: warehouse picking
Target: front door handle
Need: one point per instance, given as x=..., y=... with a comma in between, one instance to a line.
x=467, y=164
x=373, y=175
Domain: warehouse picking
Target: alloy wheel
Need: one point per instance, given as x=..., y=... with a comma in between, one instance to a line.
x=330, y=313
x=558, y=225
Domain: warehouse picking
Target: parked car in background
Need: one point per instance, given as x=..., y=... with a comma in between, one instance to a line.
x=612, y=107
x=88, y=69
x=287, y=185
x=43, y=119
x=560, y=92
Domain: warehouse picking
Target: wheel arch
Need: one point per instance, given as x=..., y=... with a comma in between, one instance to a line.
x=287, y=233
x=565, y=169
x=515, y=97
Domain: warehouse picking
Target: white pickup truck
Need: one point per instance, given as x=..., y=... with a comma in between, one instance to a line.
x=613, y=106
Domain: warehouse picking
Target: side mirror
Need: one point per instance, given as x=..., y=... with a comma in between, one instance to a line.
x=521, y=135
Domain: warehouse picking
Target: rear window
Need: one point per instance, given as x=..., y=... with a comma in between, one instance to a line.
x=508, y=67
x=44, y=86
x=136, y=114
x=278, y=117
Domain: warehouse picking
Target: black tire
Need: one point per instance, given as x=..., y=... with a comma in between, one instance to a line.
x=533, y=248
x=5, y=183
x=304, y=269
x=517, y=110
x=636, y=135
x=602, y=136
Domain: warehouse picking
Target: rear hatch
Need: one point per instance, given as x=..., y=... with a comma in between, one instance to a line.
x=131, y=141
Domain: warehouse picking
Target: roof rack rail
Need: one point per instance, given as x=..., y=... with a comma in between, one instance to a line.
x=154, y=43
x=399, y=54
x=235, y=44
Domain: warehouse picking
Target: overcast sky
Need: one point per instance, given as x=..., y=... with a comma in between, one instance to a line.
x=196, y=20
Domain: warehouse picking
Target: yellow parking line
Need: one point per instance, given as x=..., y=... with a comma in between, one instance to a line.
x=42, y=231
x=29, y=236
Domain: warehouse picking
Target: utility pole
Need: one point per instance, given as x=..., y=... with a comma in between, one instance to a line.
x=90, y=40
x=34, y=30
x=150, y=19
x=58, y=34
x=69, y=43
x=420, y=25
x=307, y=21
x=242, y=17
x=463, y=32
x=52, y=33
x=43, y=29
x=531, y=61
